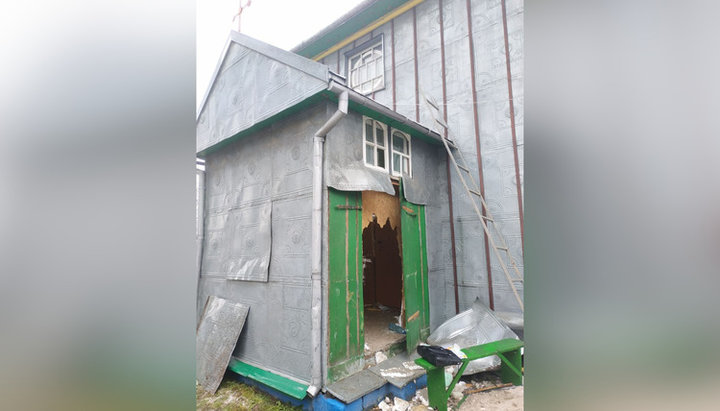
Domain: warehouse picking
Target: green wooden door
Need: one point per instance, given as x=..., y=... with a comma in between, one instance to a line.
x=345, y=300
x=415, y=275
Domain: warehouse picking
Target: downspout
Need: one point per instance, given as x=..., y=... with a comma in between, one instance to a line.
x=316, y=381
x=199, y=217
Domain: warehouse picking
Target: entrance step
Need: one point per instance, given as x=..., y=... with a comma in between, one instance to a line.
x=399, y=370
x=355, y=386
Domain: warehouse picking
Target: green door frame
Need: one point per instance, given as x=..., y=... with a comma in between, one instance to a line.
x=346, y=334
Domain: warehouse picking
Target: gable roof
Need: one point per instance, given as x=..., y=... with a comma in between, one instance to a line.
x=256, y=84
x=310, y=67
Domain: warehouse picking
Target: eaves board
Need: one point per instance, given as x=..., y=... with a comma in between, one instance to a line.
x=264, y=123
x=348, y=25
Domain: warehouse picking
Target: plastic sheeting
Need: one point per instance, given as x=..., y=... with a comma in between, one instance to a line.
x=217, y=335
x=475, y=326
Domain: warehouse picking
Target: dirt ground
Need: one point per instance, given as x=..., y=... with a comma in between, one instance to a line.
x=463, y=399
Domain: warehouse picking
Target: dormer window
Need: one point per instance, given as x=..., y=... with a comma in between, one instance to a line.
x=376, y=147
x=366, y=68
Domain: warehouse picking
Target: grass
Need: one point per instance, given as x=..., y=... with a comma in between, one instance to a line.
x=235, y=396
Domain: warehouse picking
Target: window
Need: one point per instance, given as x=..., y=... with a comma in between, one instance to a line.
x=400, y=153
x=366, y=68
x=375, y=146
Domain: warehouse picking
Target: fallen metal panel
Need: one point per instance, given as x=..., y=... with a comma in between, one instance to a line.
x=475, y=326
x=217, y=335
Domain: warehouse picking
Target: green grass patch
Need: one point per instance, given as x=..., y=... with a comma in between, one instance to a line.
x=235, y=396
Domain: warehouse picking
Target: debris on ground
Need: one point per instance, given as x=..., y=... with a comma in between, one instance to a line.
x=483, y=391
x=472, y=327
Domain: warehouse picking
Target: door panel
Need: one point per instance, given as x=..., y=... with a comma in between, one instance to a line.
x=417, y=318
x=345, y=300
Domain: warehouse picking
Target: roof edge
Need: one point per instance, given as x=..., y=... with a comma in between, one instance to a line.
x=308, y=66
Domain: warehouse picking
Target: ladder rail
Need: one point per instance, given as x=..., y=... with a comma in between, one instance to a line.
x=486, y=229
x=435, y=111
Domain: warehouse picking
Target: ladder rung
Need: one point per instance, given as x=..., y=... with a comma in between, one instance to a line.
x=477, y=193
x=462, y=167
x=441, y=122
x=487, y=218
x=499, y=247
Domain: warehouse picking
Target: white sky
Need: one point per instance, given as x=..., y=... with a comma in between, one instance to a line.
x=282, y=23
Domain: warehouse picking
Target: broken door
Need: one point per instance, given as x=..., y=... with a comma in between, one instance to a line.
x=345, y=301
x=415, y=274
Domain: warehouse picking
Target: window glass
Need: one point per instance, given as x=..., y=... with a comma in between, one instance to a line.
x=381, y=157
x=369, y=159
x=366, y=69
x=380, y=136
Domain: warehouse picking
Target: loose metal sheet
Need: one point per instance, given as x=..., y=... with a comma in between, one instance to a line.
x=252, y=241
x=472, y=327
x=217, y=335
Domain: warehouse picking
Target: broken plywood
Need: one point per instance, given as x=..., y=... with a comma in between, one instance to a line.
x=217, y=335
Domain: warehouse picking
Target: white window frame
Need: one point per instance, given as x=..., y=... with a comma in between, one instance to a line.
x=407, y=155
x=386, y=148
x=367, y=52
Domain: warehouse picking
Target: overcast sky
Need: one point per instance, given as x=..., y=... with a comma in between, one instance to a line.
x=282, y=23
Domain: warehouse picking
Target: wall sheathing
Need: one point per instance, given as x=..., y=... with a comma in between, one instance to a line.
x=271, y=166
x=495, y=134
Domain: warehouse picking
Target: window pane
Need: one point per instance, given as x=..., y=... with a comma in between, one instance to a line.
x=378, y=67
x=406, y=165
x=380, y=136
x=371, y=71
x=368, y=131
x=396, y=163
x=398, y=143
x=381, y=157
x=362, y=74
x=354, y=61
x=369, y=154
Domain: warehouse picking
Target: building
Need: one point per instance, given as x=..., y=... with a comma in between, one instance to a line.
x=328, y=193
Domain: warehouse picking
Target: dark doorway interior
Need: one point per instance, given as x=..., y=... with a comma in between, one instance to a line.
x=382, y=270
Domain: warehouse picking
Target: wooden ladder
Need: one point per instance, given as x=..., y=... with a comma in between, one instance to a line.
x=494, y=237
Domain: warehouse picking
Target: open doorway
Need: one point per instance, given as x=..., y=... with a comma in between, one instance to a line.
x=382, y=272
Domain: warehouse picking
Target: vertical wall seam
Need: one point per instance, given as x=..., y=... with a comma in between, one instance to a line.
x=478, y=150
x=417, y=101
x=447, y=162
x=512, y=127
x=392, y=54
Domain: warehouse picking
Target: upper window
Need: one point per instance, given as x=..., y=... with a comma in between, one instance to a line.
x=376, y=147
x=400, y=153
x=366, y=68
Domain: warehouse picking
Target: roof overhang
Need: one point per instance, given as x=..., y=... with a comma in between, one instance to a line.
x=354, y=24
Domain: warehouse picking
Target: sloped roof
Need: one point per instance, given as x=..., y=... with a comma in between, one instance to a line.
x=357, y=18
x=255, y=84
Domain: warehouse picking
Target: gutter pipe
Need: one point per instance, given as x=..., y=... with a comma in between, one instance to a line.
x=317, y=378
x=371, y=104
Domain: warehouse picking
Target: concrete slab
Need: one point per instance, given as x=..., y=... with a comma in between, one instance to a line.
x=355, y=386
x=399, y=370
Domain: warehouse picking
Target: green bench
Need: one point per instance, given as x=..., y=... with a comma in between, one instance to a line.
x=511, y=369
